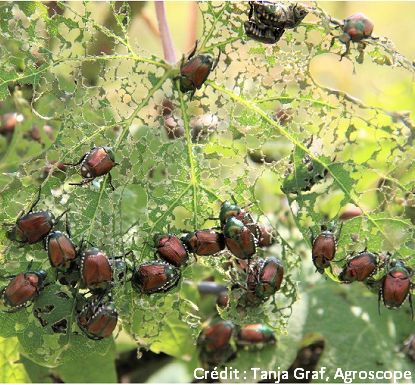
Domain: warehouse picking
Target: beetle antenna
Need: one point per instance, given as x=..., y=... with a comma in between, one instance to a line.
x=110, y=181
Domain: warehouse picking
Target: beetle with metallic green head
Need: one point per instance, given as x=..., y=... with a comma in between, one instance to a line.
x=195, y=70
x=355, y=28
x=396, y=286
x=264, y=279
x=239, y=239
x=255, y=334
x=97, y=162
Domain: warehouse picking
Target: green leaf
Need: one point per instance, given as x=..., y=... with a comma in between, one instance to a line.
x=11, y=372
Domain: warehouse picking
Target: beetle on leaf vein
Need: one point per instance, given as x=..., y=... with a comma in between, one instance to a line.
x=33, y=226
x=62, y=252
x=23, y=289
x=324, y=247
x=97, y=162
x=195, y=71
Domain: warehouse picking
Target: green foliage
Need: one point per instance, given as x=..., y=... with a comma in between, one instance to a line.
x=261, y=128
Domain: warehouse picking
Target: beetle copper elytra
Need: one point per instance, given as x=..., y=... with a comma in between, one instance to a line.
x=33, y=226
x=96, y=272
x=355, y=28
x=23, y=289
x=195, y=70
x=264, y=279
x=97, y=162
x=204, y=242
x=324, y=247
x=280, y=15
x=360, y=267
x=62, y=252
x=255, y=334
x=171, y=249
x=98, y=318
x=239, y=239
x=396, y=286
x=215, y=342
x=155, y=277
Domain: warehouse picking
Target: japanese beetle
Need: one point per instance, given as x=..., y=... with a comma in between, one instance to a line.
x=98, y=318
x=229, y=210
x=155, y=277
x=171, y=249
x=239, y=239
x=324, y=248
x=215, y=342
x=255, y=334
x=264, y=280
x=360, y=267
x=355, y=28
x=33, y=226
x=277, y=15
x=204, y=242
x=23, y=289
x=61, y=250
x=262, y=33
x=96, y=272
x=266, y=235
x=97, y=162
x=396, y=286
x=195, y=71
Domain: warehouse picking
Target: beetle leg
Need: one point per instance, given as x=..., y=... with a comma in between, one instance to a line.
x=36, y=200
x=345, y=52
x=312, y=235
x=193, y=52
x=410, y=304
x=85, y=181
x=192, y=94
x=251, y=10
x=29, y=265
x=77, y=163
x=332, y=41
x=217, y=60
x=6, y=277
x=68, y=229
x=110, y=181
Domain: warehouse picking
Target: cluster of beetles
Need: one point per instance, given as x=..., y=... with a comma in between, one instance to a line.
x=97, y=315
x=394, y=287
x=267, y=22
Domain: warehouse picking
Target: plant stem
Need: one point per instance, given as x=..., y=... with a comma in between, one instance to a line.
x=166, y=40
